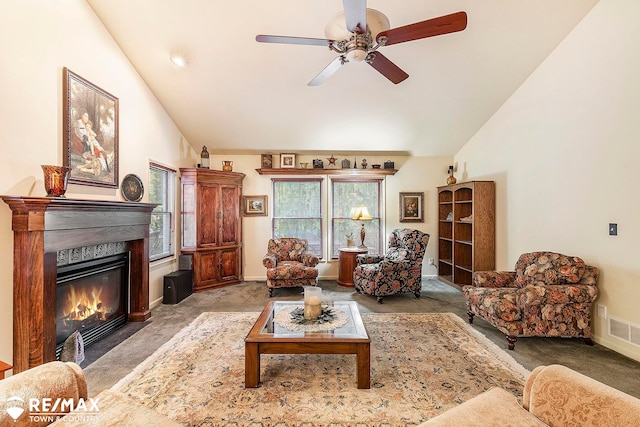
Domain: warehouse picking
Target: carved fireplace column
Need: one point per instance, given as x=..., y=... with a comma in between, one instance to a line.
x=42, y=226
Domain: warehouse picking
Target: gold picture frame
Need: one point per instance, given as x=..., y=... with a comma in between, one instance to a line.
x=254, y=205
x=90, y=126
x=412, y=207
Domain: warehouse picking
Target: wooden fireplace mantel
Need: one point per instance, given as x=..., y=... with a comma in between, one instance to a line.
x=42, y=226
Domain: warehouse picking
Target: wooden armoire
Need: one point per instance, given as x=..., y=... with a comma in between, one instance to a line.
x=211, y=226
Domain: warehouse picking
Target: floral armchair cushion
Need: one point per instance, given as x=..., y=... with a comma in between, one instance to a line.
x=398, y=271
x=289, y=264
x=549, y=294
x=548, y=268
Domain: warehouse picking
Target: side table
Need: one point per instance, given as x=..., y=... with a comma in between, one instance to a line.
x=347, y=259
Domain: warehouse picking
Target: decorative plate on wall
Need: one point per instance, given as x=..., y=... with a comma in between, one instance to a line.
x=131, y=188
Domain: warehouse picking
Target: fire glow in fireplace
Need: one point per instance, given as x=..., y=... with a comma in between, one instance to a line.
x=91, y=298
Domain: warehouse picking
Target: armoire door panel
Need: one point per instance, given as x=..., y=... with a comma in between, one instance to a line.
x=229, y=221
x=208, y=206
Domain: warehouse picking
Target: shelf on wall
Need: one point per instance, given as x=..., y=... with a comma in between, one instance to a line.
x=325, y=171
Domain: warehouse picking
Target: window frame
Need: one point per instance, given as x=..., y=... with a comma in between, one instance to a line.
x=320, y=218
x=331, y=217
x=170, y=203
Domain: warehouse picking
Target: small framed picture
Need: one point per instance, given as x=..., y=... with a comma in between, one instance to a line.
x=287, y=161
x=267, y=161
x=254, y=205
x=411, y=207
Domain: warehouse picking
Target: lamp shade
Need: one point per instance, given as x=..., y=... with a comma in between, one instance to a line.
x=361, y=213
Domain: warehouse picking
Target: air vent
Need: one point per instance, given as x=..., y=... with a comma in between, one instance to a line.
x=624, y=330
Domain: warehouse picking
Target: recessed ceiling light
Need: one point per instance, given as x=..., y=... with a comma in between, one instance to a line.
x=179, y=60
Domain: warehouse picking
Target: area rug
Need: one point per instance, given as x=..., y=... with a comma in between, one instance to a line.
x=421, y=365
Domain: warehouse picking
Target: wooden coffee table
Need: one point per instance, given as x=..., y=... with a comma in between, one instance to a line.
x=267, y=337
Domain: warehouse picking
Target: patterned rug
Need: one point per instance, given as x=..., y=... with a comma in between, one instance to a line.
x=421, y=365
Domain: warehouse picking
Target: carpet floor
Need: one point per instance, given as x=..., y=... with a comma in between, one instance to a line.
x=421, y=365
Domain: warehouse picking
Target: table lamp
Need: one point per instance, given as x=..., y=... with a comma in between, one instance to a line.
x=361, y=213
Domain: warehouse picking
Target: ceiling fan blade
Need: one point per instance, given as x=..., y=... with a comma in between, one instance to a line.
x=327, y=72
x=355, y=13
x=387, y=68
x=432, y=27
x=292, y=40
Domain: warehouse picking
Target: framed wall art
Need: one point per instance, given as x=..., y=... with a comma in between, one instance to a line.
x=411, y=207
x=254, y=205
x=266, y=161
x=287, y=161
x=90, y=126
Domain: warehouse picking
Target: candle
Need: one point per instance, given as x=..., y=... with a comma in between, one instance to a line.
x=312, y=302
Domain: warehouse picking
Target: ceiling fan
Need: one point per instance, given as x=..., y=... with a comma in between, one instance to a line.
x=358, y=32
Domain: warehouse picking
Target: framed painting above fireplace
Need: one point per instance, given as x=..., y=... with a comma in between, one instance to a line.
x=90, y=126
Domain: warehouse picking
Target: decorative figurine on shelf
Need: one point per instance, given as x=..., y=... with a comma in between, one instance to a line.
x=451, y=179
x=204, y=158
x=346, y=164
x=318, y=164
x=364, y=163
x=332, y=161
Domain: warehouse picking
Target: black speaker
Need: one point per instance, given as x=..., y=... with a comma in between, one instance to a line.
x=177, y=286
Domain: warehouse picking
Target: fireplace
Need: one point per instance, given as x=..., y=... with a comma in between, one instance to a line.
x=91, y=298
x=43, y=228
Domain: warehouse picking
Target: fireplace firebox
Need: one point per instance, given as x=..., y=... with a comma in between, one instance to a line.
x=91, y=298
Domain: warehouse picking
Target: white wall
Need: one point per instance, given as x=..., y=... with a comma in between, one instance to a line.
x=37, y=39
x=563, y=152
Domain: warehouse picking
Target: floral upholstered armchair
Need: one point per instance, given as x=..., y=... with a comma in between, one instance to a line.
x=398, y=271
x=289, y=264
x=548, y=295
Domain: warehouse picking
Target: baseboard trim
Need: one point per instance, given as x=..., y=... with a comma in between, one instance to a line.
x=155, y=303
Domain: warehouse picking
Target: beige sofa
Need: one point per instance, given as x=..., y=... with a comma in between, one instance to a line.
x=553, y=395
x=49, y=393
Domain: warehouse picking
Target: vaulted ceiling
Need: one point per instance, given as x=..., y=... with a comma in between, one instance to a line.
x=239, y=96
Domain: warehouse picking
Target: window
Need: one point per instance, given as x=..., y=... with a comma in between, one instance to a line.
x=161, y=230
x=349, y=194
x=297, y=211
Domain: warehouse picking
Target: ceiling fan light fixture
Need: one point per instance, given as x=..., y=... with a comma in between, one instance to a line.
x=356, y=55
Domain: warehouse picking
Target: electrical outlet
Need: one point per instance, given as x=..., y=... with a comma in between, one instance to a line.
x=431, y=261
x=613, y=229
x=602, y=311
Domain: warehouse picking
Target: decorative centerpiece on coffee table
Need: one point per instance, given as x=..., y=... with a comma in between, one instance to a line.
x=312, y=302
x=326, y=315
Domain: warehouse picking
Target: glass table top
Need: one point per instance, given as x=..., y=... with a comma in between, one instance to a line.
x=354, y=328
